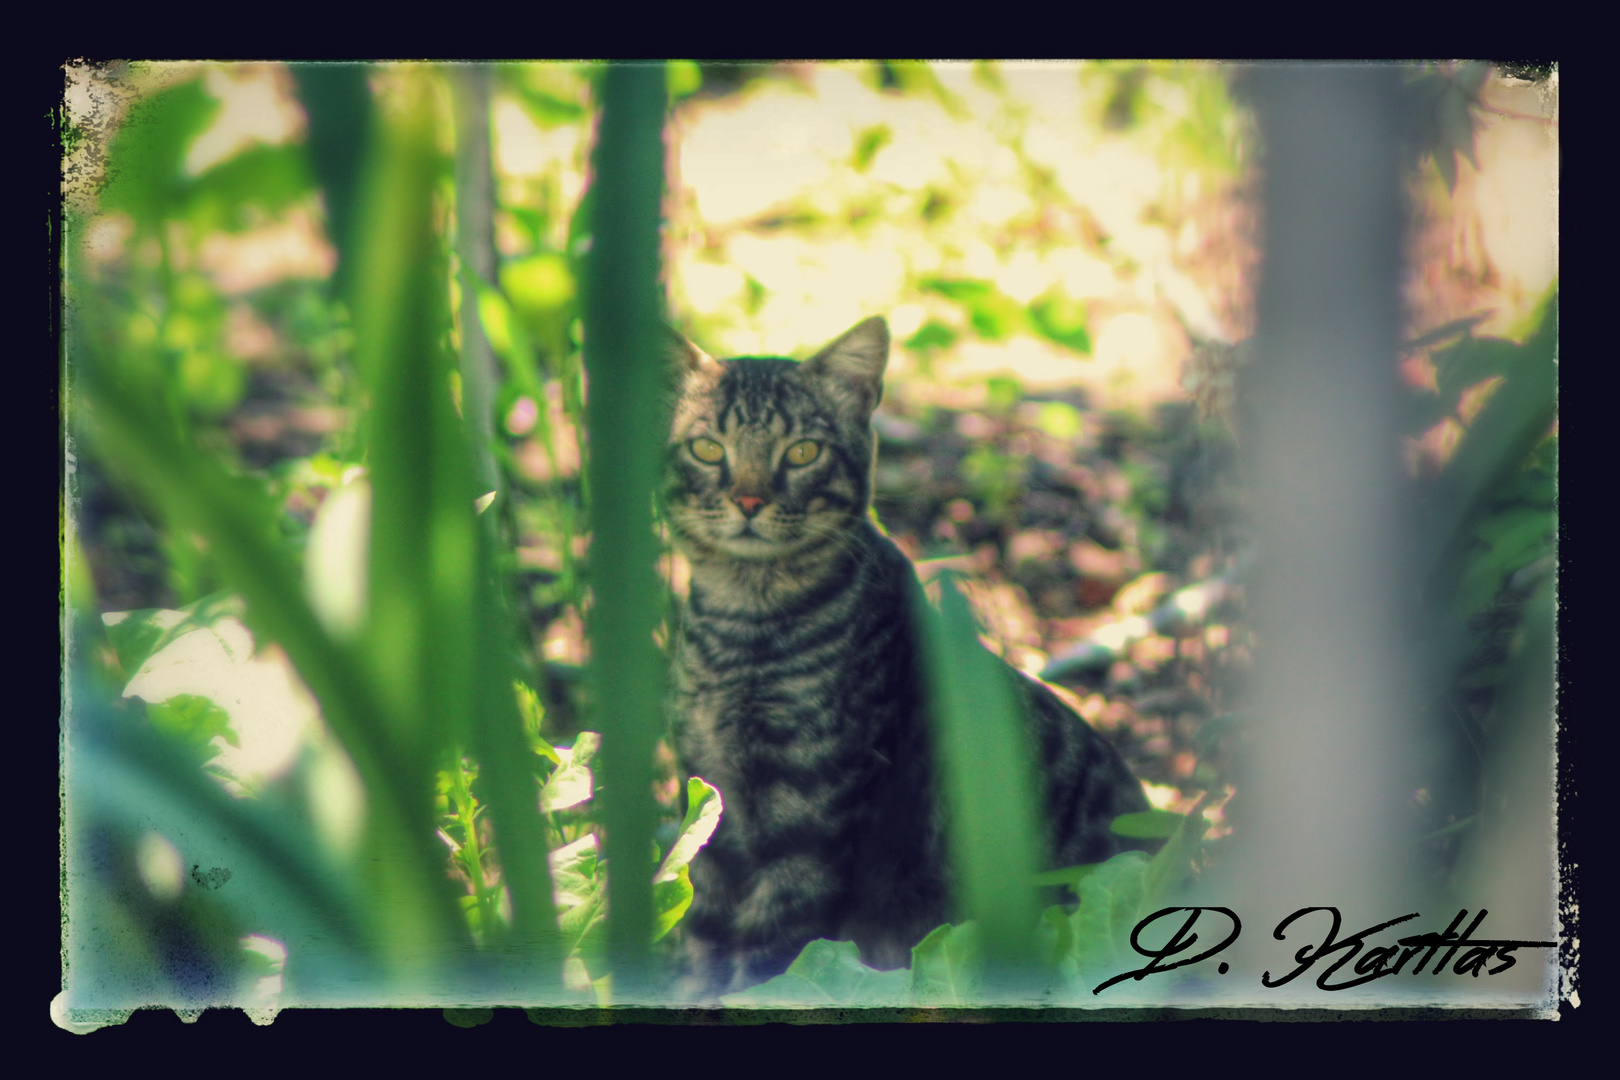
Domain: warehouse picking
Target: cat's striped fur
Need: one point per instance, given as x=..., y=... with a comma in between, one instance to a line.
x=797, y=683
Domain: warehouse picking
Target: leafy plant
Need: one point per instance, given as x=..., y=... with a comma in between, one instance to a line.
x=1077, y=947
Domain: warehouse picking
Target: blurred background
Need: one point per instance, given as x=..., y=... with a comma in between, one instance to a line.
x=1067, y=255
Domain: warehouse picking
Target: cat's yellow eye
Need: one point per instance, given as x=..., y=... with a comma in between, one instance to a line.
x=708, y=450
x=803, y=453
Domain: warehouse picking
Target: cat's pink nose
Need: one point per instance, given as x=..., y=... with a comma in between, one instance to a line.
x=750, y=503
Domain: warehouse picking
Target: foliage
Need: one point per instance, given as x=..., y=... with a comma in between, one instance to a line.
x=293, y=451
x=1075, y=947
x=411, y=681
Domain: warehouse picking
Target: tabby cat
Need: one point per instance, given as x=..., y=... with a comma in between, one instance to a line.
x=797, y=684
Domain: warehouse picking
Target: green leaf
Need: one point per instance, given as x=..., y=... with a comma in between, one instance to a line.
x=136, y=635
x=572, y=783
x=538, y=284
x=671, y=898
x=683, y=77
x=1059, y=319
x=828, y=973
x=146, y=159
x=994, y=315
x=868, y=143
x=703, y=806
x=194, y=721
x=1110, y=899
x=533, y=713
x=549, y=109
x=933, y=335
x=1060, y=420
x=574, y=873
x=1066, y=875
x=947, y=966
x=267, y=178
x=1147, y=825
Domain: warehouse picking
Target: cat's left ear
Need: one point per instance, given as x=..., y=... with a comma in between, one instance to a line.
x=854, y=363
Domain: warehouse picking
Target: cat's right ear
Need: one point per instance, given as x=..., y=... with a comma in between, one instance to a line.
x=685, y=358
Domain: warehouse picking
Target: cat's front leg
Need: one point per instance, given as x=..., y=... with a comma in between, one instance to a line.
x=795, y=899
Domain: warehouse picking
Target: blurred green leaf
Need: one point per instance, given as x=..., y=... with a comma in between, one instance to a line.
x=337, y=101
x=1059, y=319
x=1147, y=825
x=266, y=178
x=867, y=144
x=194, y=721
x=1059, y=420
x=684, y=78
x=549, y=109
x=146, y=159
x=538, y=284
x=947, y=966
x=1110, y=898
x=994, y=315
x=827, y=973
x=932, y=336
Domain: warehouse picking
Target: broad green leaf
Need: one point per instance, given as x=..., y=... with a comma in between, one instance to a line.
x=1110, y=899
x=703, y=807
x=947, y=966
x=136, y=635
x=671, y=897
x=574, y=874
x=146, y=159
x=266, y=178
x=828, y=973
x=193, y=720
x=572, y=783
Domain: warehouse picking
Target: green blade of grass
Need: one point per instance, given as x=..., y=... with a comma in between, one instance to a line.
x=989, y=784
x=420, y=628
x=621, y=308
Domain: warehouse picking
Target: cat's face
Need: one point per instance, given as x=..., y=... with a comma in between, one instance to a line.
x=769, y=458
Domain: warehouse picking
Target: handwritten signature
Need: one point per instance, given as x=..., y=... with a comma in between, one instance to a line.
x=1377, y=962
